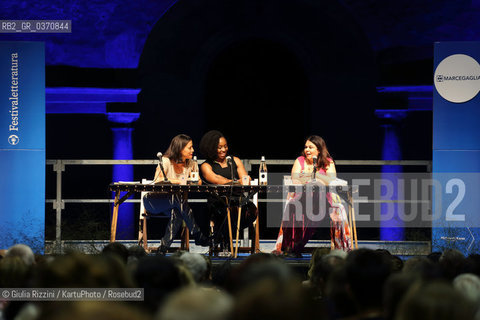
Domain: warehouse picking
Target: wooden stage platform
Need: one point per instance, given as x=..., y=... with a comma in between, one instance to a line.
x=403, y=249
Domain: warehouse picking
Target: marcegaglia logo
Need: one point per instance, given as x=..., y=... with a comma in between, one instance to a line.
x=457, y=78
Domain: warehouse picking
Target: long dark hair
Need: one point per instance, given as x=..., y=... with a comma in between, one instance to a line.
x=324, y=157
x=174, y=151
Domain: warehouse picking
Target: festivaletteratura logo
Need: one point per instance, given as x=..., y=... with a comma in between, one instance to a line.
x=13, y=139
x=14, y=123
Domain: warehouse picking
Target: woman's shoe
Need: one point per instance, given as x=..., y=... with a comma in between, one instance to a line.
x=277, y=253
x=224, y=254
x=162, y=250
x=293, y=255
x=201, y=240
x=289, y=253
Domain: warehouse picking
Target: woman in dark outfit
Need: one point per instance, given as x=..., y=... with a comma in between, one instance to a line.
x=218, y=170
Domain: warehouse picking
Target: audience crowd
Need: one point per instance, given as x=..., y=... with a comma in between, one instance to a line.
x=361, y=284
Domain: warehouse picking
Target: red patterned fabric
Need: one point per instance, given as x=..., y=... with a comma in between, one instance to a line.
x=294, y=235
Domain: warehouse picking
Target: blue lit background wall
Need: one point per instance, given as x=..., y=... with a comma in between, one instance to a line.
x=106, y=34
x=392, y=229
x=109, y=36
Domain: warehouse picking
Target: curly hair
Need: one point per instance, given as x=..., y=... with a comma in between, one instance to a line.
x=209, y=144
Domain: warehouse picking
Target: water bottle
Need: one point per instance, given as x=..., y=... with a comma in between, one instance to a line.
x=262, y=172
x=194, y=175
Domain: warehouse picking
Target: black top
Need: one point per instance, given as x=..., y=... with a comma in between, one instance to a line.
x=224, y=172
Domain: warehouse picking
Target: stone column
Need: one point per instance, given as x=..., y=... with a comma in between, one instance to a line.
x=391, y=226
x=123, y=150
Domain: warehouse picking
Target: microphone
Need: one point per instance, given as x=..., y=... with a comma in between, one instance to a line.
x=314, y=167
x=229, y=161
x=159, y=156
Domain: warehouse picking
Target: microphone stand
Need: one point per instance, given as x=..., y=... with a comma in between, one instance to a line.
x=314, y=168
x=160, y=163
x=163, y=171
x=231, y=169
x=229, y=161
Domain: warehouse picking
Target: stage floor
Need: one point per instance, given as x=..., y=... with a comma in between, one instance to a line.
x=400, y=248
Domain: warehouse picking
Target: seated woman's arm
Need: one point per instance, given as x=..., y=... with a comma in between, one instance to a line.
x=331, y=174
x=241, y=171
x=296, y=170
x=211, y=176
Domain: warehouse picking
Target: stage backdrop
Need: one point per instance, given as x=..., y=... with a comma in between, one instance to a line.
x=456, y=147
x=22, y=144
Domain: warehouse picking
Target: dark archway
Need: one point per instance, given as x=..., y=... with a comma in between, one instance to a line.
x=180, y=71
x=257, y=86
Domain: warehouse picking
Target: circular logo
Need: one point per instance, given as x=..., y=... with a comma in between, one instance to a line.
x=5, y=294
x=13, y=139
x=457, y=78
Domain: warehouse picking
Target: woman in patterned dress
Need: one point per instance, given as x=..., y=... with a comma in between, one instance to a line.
x=294, y=234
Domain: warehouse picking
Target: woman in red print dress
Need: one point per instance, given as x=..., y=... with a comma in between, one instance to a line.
x=293, y=236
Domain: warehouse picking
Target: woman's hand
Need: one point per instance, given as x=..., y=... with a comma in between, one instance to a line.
x=211, y=176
